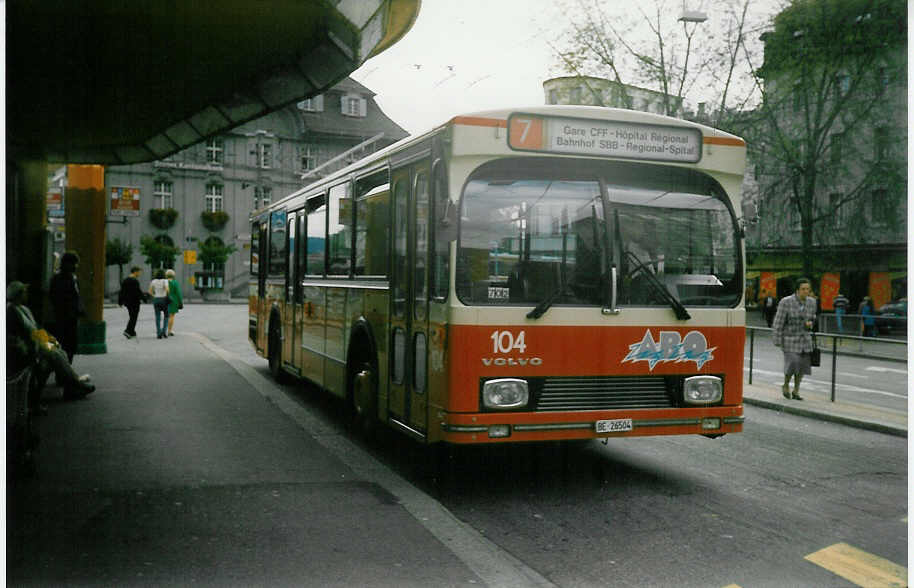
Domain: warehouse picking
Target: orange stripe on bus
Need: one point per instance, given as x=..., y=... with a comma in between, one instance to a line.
x=725, y=141
x=478, y=121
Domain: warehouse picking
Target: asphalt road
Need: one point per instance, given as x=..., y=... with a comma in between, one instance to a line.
x=745, y=510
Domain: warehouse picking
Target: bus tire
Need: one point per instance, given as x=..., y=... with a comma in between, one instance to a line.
x=274, y=353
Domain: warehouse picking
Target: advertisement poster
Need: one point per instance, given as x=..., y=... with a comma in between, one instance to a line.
x=768, y=283
x=829, y=288
x=125, y=201
x=880, y=288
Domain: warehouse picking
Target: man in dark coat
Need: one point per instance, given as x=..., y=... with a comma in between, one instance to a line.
x=68, y=306
x=131, y=295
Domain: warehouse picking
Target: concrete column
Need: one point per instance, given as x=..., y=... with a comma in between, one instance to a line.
x=84, y=199
x=27, y=241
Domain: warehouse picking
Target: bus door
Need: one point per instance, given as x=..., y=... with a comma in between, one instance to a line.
x=409, y=297
x=260, y=269
x=288, y=307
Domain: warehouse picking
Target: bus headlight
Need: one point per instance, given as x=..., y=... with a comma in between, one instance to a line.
x=505, y=393
x=702, y=390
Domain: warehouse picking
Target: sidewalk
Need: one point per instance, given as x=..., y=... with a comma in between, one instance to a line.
x=855, y=415
x=178, y=470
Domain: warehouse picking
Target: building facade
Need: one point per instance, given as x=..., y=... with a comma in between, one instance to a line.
x=835, y=163
x=592, y=91
x=198, y=201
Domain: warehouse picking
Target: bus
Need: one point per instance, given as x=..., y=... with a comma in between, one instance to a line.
x=546, y=273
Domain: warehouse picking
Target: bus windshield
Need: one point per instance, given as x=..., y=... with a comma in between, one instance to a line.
x=542, y=233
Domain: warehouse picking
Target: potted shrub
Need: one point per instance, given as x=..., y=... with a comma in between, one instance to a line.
x=163, y=218
x=214, y=221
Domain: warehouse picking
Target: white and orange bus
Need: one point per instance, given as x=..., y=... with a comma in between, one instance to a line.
x=551, y=273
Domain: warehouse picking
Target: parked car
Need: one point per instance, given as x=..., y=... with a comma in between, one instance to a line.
x=893, y=317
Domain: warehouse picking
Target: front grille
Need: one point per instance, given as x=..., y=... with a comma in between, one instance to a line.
x=604, y=393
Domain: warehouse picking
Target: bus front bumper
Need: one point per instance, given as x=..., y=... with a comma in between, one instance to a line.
x=463, y=428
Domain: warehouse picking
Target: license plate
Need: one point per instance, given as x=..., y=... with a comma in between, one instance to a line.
x=614, y=426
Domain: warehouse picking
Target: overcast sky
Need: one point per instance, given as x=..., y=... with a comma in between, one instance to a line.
x=470, y=55
x=462, y=57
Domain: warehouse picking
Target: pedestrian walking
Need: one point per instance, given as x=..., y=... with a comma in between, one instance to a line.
x=131, y=296
x=158, y=289
x=769, y=307
x=793, y=326
x=840, y=302
x=869, y=317
x=67, y=304
x=175, y=300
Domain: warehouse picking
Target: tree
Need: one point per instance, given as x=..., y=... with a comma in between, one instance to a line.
x=119, y=253
x=824, y=133
x=214, y=252
x=680, y=59
x=159, y=251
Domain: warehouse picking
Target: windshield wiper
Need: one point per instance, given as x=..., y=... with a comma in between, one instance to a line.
x=543, y=306
x=680, y=310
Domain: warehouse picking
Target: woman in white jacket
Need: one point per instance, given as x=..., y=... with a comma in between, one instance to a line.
x=158, y=289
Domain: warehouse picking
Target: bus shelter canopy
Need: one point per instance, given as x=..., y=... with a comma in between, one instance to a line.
x=113, y=82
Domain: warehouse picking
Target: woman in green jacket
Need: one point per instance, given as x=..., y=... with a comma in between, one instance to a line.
x=175, y=300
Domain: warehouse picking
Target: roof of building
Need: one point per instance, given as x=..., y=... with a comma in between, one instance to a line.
x=331, y=121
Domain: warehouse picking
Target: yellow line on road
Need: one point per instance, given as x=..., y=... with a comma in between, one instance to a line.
x=860, y=567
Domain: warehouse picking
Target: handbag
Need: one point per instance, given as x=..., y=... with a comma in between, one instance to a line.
x=815, y=356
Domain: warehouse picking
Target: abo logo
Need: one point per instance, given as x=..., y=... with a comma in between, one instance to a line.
x=672, y=347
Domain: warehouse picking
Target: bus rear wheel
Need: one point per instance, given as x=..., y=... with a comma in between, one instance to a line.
x=364, y=397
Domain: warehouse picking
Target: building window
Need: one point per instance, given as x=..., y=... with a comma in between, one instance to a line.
x=307, y=158
x=881, y=209
x=214, y=150
x=162, y=195
x=264, y=155
x=835, y=147
x=263, y=195
x=313, y=104
x=840, y=212
x=213, y=198
x=553, y=97
x=575, y=96
x=881, y=143
x=353, y=106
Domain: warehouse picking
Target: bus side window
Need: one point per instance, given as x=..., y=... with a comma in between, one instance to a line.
x=317, y=241
x=420, y=290
x=444, y=232
x=301, y=255
x=398, y=271
x=255, y=249
x=339, y=231
x=277, y=262
x=372, y=224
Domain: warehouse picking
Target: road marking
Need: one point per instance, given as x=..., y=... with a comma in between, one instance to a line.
x=859, y=567
x=874, y=368
x=827, y=384
x=494, y=565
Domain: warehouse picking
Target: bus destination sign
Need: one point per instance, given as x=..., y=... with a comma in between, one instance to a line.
x=604, y=138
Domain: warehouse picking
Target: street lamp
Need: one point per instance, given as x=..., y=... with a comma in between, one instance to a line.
x=692, y=16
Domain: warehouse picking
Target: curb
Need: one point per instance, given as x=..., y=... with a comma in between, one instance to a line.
x=851, y=422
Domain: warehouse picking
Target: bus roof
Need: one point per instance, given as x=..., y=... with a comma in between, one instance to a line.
x=498, y=118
